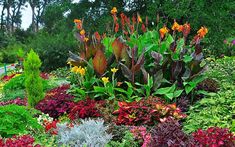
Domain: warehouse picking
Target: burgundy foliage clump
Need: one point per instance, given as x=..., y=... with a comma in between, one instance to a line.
x=44, y=75
x=215, y=137
x=170, y=134
x=85, y=108
x=57, y=102
x=18, y=141
x=146, y=112
x=17, y=101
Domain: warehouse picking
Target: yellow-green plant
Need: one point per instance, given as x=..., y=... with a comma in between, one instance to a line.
x=33, y=81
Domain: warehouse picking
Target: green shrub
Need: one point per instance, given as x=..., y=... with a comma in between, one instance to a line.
x=222, y=70
x=9, y=54
x=214, y=111
x=16, y=120
x=15, y=83
x=13, y=94
x=33, y=81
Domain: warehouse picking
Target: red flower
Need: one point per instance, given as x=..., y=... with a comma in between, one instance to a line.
x=116, y=27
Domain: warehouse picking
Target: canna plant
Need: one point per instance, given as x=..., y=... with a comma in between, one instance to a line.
x=175, y=68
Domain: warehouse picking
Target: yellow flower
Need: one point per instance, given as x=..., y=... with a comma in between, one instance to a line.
x=77, y=21
x=82, y=71
x=86, y=39
x=139, y=19
x=82, y=32
x=202, y=32
x=69, y=63
x=105, y=80
x=114, y=70
x=175, y=26
x=114, y=10
x=163, y=31
x=75, y=69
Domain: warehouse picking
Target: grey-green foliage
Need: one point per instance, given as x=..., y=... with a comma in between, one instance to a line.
x=127, y=141
x=90, y=133
x=33, y=81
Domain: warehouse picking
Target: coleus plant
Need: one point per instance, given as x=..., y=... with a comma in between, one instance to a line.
x=146, y=112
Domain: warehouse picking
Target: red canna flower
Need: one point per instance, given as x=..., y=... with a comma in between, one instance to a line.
x=186, y=29
x=97, y=36
x=133, y=19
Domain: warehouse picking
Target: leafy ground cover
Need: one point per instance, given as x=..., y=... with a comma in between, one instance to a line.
x=133, y=87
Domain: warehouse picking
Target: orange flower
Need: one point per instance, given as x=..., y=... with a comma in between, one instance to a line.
x=202, y=32
x=163, y=31
x=139, y=19
x=82, y=32
x=114, y=11
x=77, y=21
x=175, y=26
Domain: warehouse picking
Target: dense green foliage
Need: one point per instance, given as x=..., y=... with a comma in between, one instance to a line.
x=217, y=110
x=17, y=121
x=33, y=81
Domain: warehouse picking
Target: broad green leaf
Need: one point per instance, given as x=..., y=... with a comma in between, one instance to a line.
x=177, y=93
x=188, y=89
x=99, y=89
x=187, y=58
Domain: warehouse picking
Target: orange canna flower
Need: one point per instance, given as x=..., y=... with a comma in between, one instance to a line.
x=77, y=21
x=175, y=26
x=139, y=19
x=202, y=32
x=163, y=31
x=114, y=11
x=82, y=32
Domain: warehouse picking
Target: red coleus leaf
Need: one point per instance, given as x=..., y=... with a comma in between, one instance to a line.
x=99, y=62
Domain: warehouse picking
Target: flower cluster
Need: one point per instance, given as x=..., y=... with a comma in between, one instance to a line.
x=82, y=32
x=7, y=78
x=17, y=101
x=57, y=102
x=84, y=109
x=18, y=141
x=148, y=112
x=215, y=137
x=140, y=133
x=79, y=70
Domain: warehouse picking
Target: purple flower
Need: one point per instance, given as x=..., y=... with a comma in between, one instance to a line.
x=233, y=42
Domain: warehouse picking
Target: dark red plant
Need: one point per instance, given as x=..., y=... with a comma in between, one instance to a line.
x=7, y=78
x=18, y=141
x=84, y=109
x=57, y=102
x=170, y=134
x=215, y=137
x=149, y=112
x=17, y=101
x=44, y=75
x=50, y=127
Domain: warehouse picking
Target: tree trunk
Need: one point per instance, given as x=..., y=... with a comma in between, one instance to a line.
x=33, y=18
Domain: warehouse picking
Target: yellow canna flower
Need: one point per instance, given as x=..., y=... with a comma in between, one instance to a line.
x=105, y=80
x=82, y=32
x=114, y=10
x=82, y=71
x=163, y=31
x=202, y=32
x=75, y=69
x=114, y=70
x=86, y=39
